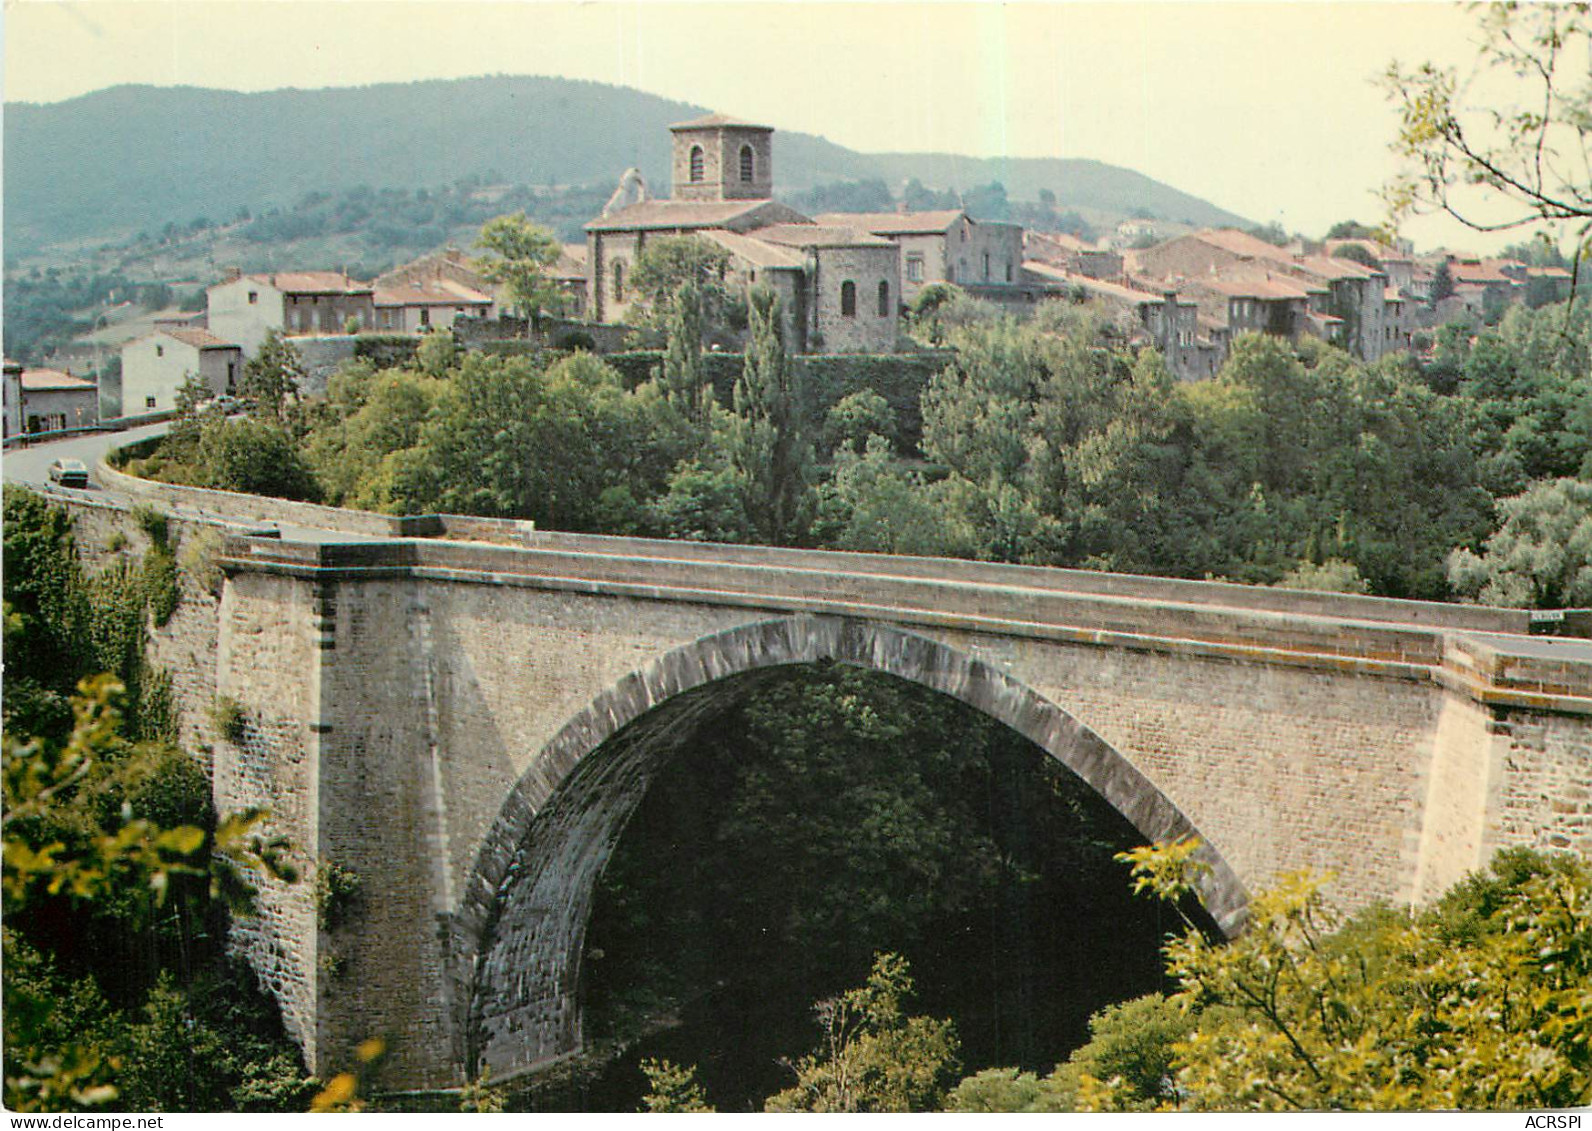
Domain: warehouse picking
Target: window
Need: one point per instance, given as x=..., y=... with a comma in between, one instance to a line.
x=1008, y=270
x=149, y=402
x=696, y=164
x=254, y=297
x=986, y=266
x=848, y=299
x=915, y=268
x=232, y=375
x=425, y=316
x=160, y=351
x=884, y=298
x=748, y=163
x=619, y=280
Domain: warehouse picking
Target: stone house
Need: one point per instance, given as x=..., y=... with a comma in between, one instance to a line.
x=431, y=292
x=47, y=400
x=945, y=246
x=413, y=308
x=155, y=366
x=1344, y=301
x=244, y=308
x=840, y=288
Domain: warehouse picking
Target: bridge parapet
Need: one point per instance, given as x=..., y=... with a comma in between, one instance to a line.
x=1463, y=647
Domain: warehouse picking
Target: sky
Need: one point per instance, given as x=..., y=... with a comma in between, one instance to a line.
x=1271, y=110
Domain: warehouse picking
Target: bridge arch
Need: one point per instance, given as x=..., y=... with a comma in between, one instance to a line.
x=521, y=923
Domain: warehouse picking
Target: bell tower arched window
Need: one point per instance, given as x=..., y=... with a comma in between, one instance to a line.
x=696, y=164
x=848, y=299
x=884, y=298
x=748, y=164
x=619, y=280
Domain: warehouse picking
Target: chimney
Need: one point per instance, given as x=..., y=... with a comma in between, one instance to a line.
x=234, y=273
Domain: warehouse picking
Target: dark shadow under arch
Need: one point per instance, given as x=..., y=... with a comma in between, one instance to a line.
x=521, y=924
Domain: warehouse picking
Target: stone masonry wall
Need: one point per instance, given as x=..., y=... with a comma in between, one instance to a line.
x=1546, y=782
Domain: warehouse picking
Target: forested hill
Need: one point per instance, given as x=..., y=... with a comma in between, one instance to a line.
x=132, y=157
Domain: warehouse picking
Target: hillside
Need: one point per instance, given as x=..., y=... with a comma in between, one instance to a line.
x=137, y=157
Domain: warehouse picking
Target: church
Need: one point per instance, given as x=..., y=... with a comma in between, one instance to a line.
x=839, y=287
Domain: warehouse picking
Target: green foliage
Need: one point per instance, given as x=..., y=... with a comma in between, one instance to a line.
x=199, y=558
x=769, y=451
x=437, y=354
x=683, y=379
x=1002, y=1090
x=1332, y=576
x=856, y=417
x=1541, y=557
x=1482, y=1001
x=518, y=254
x=873, y=1055
x=159, y=581
x=153, y=522
x=273, y=377
x=337, y=892
x=107, y=843
x=669, y=264
x=671, y=1088
x=229, y=718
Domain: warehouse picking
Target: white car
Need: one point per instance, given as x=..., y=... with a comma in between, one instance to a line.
x=69, y=473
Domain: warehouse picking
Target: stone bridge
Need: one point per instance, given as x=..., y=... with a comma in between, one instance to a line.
x=467, y=720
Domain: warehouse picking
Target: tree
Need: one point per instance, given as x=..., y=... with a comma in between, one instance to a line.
x=672, y=1088
x=1498, y=168
x=684, y=382
x=1481, y=1001
x=873, y=1056
x=770, y=452
x=273, y=376
x=1541, y=556
x=518, y=254
x=668, y=264
x=1442, y=281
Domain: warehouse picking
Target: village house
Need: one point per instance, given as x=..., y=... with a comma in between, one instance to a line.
x=244, y=308
x=155, y=366
x=840, y=288
x=946, y=246
x=47, y=400
x=1295, y=293
x=431, y=292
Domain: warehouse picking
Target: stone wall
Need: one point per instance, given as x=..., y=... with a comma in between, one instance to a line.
x=867, y=331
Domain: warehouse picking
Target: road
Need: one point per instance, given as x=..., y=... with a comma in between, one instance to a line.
x=30, y=465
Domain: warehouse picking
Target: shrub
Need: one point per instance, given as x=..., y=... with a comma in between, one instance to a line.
x=336, y=892
x=230, y=720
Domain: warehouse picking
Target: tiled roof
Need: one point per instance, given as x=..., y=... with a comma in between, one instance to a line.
x=1241, y=243
x=314, y=283
x=1330, y=267
x=652, y=214
x=195, y=336
x=46, y=380
x=1055, y=242
x=818, y=235
x=1484, y=271
x=893, y=223
x=442, y=293
x=755, y=251
x=1271, y=287
x=1050, y=273
x=1547, y=273
x=709, y=121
